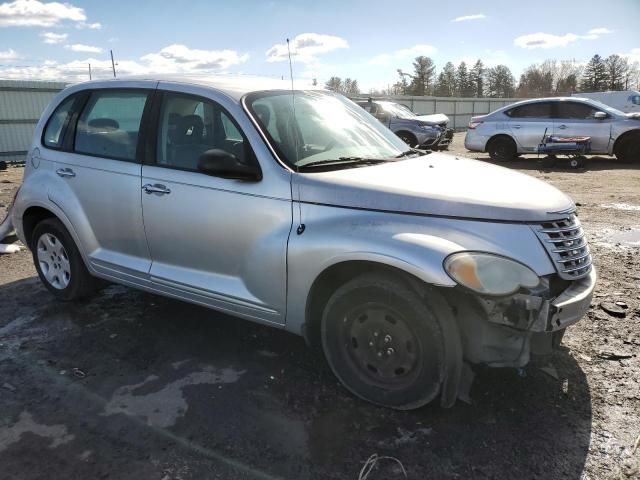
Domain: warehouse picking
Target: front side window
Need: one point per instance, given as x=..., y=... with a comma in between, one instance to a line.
x=575, y=111
x=56, y=124
x=635, y=99
x=109, y=124
x=189, y=126
x=322, y=127
x=531, y=110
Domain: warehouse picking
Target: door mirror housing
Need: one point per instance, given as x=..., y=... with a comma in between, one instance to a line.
x=219, y=163
x=600, y=115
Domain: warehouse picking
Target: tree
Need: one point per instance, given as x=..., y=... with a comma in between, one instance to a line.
x=350, y=87
x=401, y=87
x=594, y=77
x=476, y=79
x=423, y=76
x=536, y=81
x=617, y=68
x=463, y=87
x=500, y=82
x=334, y=84
x=446, y=85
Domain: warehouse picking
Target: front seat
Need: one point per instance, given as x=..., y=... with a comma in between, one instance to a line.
x=187, y=142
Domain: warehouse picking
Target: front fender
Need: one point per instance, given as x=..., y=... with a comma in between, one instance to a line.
x=414, y=244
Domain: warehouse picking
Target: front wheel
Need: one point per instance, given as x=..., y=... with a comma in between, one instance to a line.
x=383, y=343
x=629, y=149
x=59, y=263
x=408, y=138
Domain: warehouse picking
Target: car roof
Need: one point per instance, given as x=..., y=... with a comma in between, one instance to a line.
x=234, y=86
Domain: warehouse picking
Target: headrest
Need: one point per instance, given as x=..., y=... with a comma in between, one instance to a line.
x=104, y=123
x=189, y=129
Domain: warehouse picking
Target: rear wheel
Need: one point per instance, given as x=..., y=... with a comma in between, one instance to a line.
x=383, y=343
x=629, y=148
x=59, y=263
x=502, y=149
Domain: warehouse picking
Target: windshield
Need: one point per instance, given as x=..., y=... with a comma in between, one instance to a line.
x=325, y=127
x=397, y=110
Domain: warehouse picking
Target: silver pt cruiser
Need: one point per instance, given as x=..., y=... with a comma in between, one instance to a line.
x=299, y=210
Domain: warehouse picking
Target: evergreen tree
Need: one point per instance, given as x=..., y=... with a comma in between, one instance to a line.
x=463, y=87
x=446, y=84
x=334, y=84
x=594, y=77
x=423, y=76
x=476, y=79
x=500, y=82
x=617, y=68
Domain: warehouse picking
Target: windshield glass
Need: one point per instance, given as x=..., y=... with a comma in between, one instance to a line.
x=397, y=110
x=325, y=127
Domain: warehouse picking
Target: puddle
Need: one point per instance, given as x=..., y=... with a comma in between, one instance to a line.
x=622, y=206
x=163, y=407
x=25, y=424
x=630, y=238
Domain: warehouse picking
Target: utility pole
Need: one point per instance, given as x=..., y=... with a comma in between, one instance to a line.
x=89, y=71
x=113, y=65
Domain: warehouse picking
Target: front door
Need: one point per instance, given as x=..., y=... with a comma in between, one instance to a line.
x=102, y=172
x=577, y=119
x=214, y=241
x=529, y=123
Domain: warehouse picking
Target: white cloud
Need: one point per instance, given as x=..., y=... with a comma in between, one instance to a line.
x=79, y=47
x=465, y=18
x=90, y=26
x=549, y=40
x=8, y=54
x=633, y=55
x=403, y=53
x=306, y=47
x=53, y=38
x=33, y=13
x=179, y=58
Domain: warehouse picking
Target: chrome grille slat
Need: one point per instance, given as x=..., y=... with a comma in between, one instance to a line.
x=564, y=241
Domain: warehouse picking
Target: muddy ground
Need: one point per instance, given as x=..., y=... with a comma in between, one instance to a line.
x=129, y=385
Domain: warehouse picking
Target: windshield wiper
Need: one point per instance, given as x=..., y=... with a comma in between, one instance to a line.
x=343, y=161
x=411, y=151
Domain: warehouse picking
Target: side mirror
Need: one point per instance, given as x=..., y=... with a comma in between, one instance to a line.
x=219, y=163
x=600, y=115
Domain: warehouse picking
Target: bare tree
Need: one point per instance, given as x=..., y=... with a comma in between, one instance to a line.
x=617, y=68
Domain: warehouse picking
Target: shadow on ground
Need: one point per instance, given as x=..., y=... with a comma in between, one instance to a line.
x=131, y=385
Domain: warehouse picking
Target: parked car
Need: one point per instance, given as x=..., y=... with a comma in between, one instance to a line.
x=626, y=101
x=422, y=131
x=521, y=127
x=398, y=265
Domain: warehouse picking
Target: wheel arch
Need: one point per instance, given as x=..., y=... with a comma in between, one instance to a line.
x=621, y=138
x=31, y=217
x=403, y=131
x=498, y=136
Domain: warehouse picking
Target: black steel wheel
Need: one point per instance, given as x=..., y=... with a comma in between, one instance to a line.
x=502, y=149
x=383, y=342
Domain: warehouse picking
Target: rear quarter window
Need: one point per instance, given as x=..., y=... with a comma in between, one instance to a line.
x=57, y=122
x=531, y=110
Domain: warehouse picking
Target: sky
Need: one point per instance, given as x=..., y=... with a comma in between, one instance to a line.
x=366, y=40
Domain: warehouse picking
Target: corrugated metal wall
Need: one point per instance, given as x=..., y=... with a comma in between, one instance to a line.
x=21, y=104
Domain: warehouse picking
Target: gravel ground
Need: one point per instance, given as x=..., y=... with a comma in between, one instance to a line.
x=131, y=385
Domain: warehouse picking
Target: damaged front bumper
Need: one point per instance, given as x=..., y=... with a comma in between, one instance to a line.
x=510, y=329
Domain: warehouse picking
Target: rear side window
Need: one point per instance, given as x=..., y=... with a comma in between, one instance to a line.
x=575, y=111
x=531, y=110
x=110, y=123
x=56, y=124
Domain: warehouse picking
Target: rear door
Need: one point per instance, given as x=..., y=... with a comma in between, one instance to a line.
x=576, y=119
x=529, y=123
x=101, y=173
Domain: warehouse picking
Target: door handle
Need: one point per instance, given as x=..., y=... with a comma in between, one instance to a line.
x=156, y=188
x=562, y=127
x=65, y=172
x=516, y=126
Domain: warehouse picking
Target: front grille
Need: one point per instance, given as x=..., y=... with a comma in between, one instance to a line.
x=564, y=241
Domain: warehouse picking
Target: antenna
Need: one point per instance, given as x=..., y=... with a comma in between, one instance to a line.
x=113, y=65
x=90, y=72
x=290, y=65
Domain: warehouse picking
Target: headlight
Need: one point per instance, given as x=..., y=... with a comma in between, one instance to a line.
x=489, y=274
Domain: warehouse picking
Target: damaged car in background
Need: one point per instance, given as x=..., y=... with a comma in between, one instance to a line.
x=400, y=266
x=420, y=131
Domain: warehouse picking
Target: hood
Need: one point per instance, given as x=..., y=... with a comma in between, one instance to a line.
x=436, y=118
x=437, y=184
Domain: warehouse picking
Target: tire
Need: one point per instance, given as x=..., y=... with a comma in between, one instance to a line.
x=629, y=149
x=383, y=343
x=59, y=263
x=502, y=149
x=408, y=138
